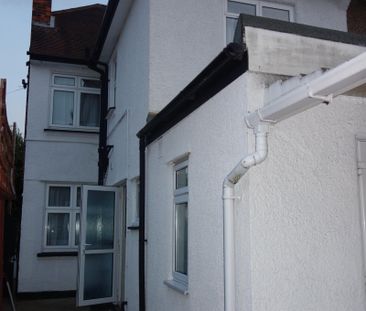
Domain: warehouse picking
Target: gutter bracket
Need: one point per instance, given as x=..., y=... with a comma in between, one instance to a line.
x=325, y=99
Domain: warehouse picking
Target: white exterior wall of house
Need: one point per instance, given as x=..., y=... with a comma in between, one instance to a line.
x=160, y=49
x=215, y=137
x=304, y=212
x=51, y=157
x=298, y=219
x=131, y=54
x=186, y=35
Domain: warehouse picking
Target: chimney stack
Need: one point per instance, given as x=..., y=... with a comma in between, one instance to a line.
x=41, y=13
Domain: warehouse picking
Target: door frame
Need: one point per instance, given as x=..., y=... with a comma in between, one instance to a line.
x=116, y=249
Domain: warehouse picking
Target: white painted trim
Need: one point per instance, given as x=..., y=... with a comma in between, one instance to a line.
x=181, y=195
x=72, y=210
x=179, y=287
x=77, y=89
x=83, y=251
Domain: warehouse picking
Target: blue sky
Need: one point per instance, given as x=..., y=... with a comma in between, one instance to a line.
x=15, y=22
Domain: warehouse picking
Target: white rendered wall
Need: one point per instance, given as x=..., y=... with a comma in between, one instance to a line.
x=306, y=244
x=186, y=35
x=326, y=14
x=51, y=157
x=162, y=47
x=132, y=56
x=215, y=137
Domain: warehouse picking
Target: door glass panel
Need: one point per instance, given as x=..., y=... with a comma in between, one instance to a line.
x=100, y=220
x=98, y=277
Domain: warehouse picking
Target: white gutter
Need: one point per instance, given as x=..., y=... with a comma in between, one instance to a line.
x=332, y=83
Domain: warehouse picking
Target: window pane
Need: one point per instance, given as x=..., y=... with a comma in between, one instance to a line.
x=237, y=7
x=78, y=196
x=181, y=178
x=181, y=238
x=64, y=81
x=59, y=196
x=89, y=110
x=58, y=229
x=230, y=28
x=77, y=229
x=95, y=84
x=63, y=107
x=283, y=15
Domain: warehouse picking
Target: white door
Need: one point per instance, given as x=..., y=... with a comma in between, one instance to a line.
x=98, y=255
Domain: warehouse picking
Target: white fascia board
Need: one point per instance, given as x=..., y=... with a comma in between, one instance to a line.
x=115, y=29
x=308, y=94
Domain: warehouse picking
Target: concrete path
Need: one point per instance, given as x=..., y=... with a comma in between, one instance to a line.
x=60, y=304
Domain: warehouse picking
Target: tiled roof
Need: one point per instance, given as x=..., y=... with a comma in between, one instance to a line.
x=73, y=36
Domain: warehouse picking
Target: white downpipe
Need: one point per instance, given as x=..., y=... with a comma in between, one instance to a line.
x=261, y=132
x=332, y=83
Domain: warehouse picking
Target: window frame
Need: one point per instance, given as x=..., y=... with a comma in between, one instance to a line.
x=258, y=7
x=72, y=210
x=77, y=89
x=181, y=195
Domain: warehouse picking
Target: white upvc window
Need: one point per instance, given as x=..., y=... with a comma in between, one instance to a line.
x=62, y=217
x=180, y=238
x=75, y=102
x=258, y=8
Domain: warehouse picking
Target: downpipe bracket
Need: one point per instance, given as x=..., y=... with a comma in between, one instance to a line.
x=231, y=197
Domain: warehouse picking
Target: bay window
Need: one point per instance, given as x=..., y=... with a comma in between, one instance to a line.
x=75, y=102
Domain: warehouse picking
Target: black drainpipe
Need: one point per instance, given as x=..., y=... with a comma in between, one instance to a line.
x=103, y=149
x=142, y=302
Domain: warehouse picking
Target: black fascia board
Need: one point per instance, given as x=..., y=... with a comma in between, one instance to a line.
x=296, y=29
x=57, y=59
x=106, y=24
x=224, y=69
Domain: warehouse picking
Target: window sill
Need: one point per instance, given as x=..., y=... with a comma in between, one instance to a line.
x=71, y=130
x=177, y=286
x=57, y=254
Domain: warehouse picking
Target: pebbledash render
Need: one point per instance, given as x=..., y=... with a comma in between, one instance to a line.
x=227, y=167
